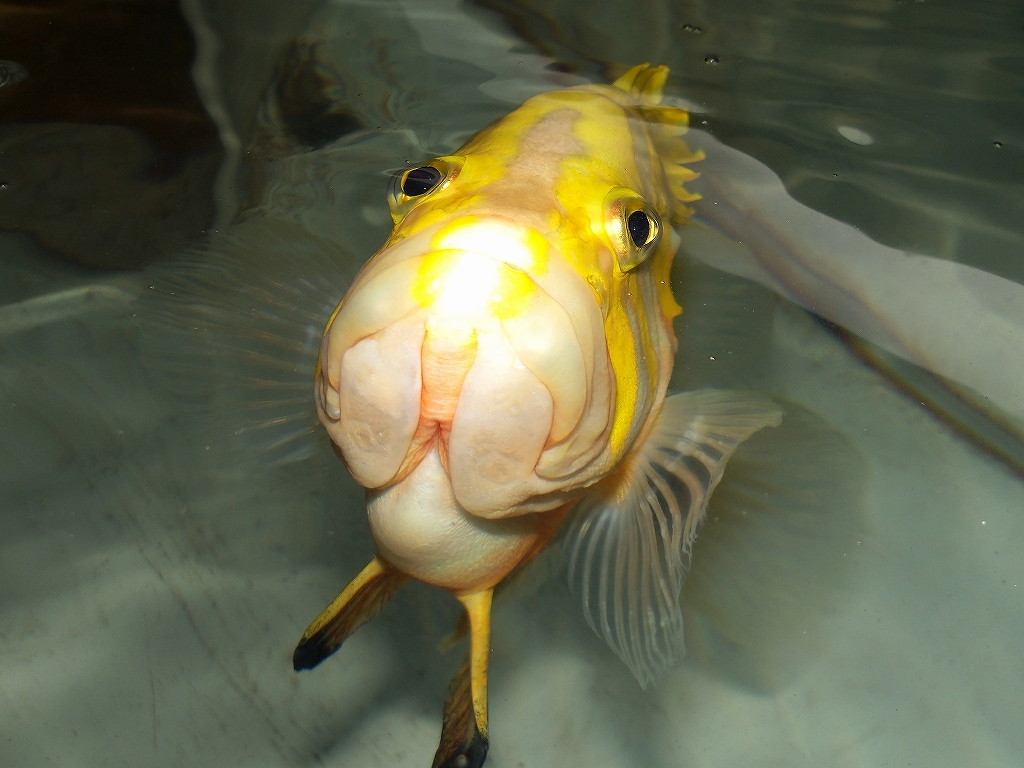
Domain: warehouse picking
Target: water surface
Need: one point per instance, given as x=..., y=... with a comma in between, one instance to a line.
x=172, y=518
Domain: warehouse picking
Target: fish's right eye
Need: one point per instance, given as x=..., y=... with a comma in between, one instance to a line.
x=420, y=180
x=410, y=188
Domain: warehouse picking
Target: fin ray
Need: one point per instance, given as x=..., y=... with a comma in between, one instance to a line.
x=644, y=82
x=666, y=124
x=779, y=551
x=233, y=330
x=629, y=542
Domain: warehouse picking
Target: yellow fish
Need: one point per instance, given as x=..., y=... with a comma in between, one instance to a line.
x=504, y=360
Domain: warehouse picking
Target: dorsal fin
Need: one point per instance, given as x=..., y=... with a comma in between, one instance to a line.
x=667, y=124
x=644, y=82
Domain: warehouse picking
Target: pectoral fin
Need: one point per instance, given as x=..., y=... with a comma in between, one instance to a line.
x=778, y=553
x=629, y=541
x=360, y=601
x=464, y=732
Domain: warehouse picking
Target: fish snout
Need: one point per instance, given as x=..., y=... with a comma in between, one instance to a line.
x=475, y=350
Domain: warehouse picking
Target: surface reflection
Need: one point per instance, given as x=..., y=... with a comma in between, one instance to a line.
x=108, y=153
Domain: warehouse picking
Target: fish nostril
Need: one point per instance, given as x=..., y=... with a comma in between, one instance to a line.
x=327, y=397
x=331, y=401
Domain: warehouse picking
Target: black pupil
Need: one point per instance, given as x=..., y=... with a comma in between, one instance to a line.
x=419, y=181
x=639, y=228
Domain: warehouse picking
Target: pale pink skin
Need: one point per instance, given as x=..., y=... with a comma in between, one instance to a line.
x=451, y=438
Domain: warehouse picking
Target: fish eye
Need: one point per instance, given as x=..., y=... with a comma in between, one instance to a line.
x=639, y=225
x=408, y=189
x=420, y=180
x=632, y=226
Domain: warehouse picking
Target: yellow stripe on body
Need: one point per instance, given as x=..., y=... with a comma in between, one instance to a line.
x=631, y=335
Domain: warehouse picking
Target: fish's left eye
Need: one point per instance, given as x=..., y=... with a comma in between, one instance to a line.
x=639, y=224
x=632, y=226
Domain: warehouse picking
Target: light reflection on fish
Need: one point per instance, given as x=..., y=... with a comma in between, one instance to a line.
x=505, y=358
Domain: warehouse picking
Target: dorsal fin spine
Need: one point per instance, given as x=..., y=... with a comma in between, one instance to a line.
x=644, y=82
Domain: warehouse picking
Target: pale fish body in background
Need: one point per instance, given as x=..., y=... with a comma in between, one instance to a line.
x=505, y=357
x=951, y=319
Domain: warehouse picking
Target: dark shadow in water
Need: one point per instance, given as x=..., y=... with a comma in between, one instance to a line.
x=107, y=155
x=769, y=568
x=778, y=545
x=310, y=98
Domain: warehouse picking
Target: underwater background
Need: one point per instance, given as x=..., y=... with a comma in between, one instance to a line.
x=185, y=193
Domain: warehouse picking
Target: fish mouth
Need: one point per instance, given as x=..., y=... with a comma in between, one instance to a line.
x=479, y=339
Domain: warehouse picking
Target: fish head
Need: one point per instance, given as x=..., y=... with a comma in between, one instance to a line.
x=518, y=319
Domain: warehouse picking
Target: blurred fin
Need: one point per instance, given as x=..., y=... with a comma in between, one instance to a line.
x=234, y=330
x=60, y=306
x=628, y=541
x=710, y=246
x=781, y=539
x=960, y=410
